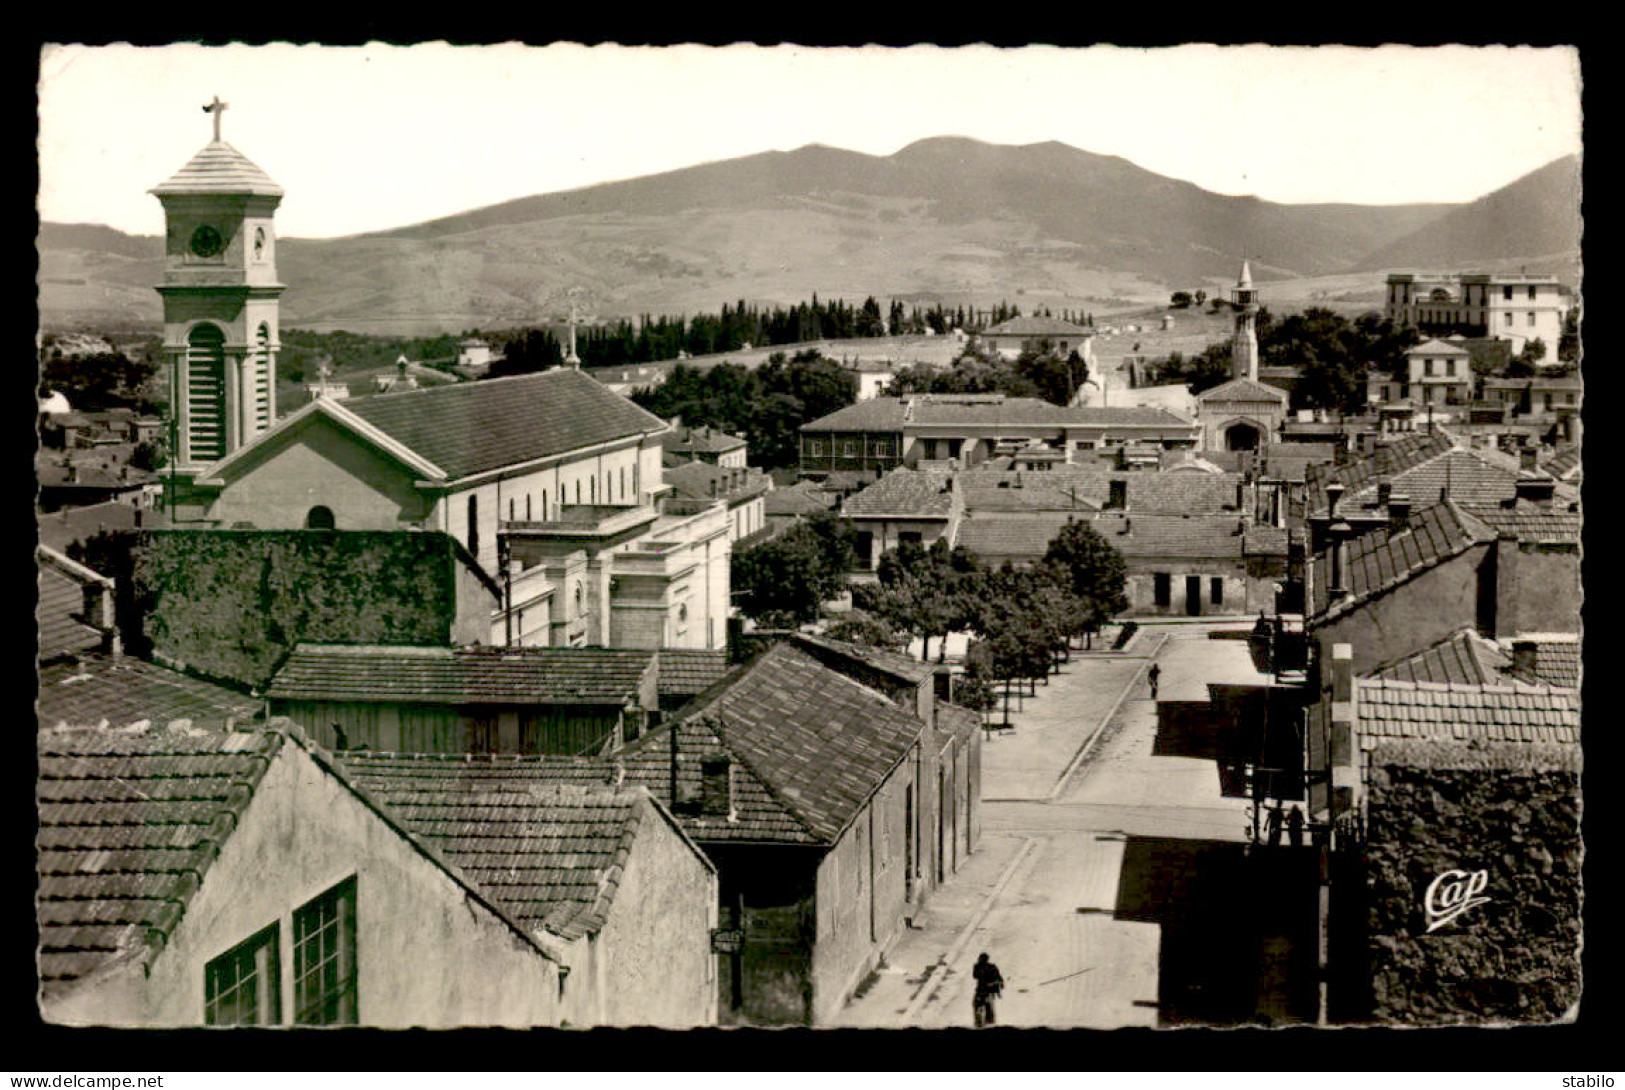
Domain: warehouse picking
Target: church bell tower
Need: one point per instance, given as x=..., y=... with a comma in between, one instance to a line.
x=1244, y=345
x=220, y=293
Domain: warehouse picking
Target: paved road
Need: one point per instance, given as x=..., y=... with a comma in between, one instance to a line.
x=1050, y=915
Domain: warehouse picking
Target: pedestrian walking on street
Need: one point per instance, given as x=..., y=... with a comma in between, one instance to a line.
x=1153, y=676
x=989, y=985
x=1272, y=825
x=1294, y=827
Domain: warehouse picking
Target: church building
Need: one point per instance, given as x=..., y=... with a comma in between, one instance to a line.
x=552, y=482
x=1242, y=414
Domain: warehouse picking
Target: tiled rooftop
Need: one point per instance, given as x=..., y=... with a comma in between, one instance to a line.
x=689, y=671
x=801, y=498
x=817, y=741
x=904, y=667
x=1384, y=558
x=471, y=427
x=695, y=480
x=1384, y=462
x=1390, y=710
x=701, y=440
x=891, y=414
x=124, y=691
x=1557, y=659
x=1564, y=463
x=1140, y=535
x=995, y=539
x=904, y=492
x=550, y=853
x=1463, y=658
x=128, y=826
x=61, y=604
x=464, y=675
x=1074, y=487
x=878, y=414
x=1543, y=524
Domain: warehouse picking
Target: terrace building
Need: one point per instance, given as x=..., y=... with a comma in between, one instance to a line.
x=880, y=434
x=1518, y=308
x=1032, y=333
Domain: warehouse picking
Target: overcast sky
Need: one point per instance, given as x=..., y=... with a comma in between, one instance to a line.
x=369, y=138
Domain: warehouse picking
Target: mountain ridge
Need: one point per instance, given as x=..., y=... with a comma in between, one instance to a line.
x=943, y=216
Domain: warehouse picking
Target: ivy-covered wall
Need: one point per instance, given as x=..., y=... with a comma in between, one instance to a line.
x=1511, y=811
x=230, y=604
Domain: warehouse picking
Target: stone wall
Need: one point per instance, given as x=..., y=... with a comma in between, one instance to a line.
x=1511, y=812
x=231, y=604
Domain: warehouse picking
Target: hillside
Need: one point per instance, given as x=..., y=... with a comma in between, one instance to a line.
x=946, y=219
x=1534, y=220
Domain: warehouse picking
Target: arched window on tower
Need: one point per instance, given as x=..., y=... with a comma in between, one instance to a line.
x=319, y=518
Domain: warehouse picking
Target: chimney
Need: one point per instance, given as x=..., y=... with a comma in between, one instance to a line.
x=1536, y=489
x=1523, y=658
x=1527, y=458
x=675, y=798
x=1506, y=586
x=1399, y=513
x=1117, y=499
x=1334, y=492
x=716, y=787
x=1385, y=489
x=1338, y=533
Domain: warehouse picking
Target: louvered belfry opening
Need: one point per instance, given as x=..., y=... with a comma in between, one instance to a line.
x=206, y=394
x=262, y=369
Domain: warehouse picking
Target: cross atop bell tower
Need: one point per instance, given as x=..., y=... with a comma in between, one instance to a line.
x=217, y=108
x=220, y=294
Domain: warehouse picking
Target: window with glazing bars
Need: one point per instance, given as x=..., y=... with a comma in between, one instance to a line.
x=324, y=970
x=242, y=987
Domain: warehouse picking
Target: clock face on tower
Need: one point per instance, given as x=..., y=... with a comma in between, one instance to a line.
x=206, y=241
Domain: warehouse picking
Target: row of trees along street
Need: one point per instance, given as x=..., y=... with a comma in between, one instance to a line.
x=1025, y=622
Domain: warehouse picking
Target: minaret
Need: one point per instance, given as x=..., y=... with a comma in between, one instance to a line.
x=220, y=294
x=1244, y=345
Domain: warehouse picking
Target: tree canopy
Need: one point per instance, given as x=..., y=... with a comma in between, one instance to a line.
x=766, y=406
x=795, y=572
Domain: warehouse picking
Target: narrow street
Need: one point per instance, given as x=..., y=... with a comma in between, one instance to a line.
x=1090, y=851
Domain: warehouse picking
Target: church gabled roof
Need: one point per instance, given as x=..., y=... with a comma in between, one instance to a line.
x=219, y=168
x=477, y=427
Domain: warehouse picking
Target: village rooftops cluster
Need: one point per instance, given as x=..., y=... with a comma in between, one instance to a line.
x=462, y=675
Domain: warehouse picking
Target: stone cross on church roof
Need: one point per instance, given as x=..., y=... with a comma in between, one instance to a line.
x=217, y=108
